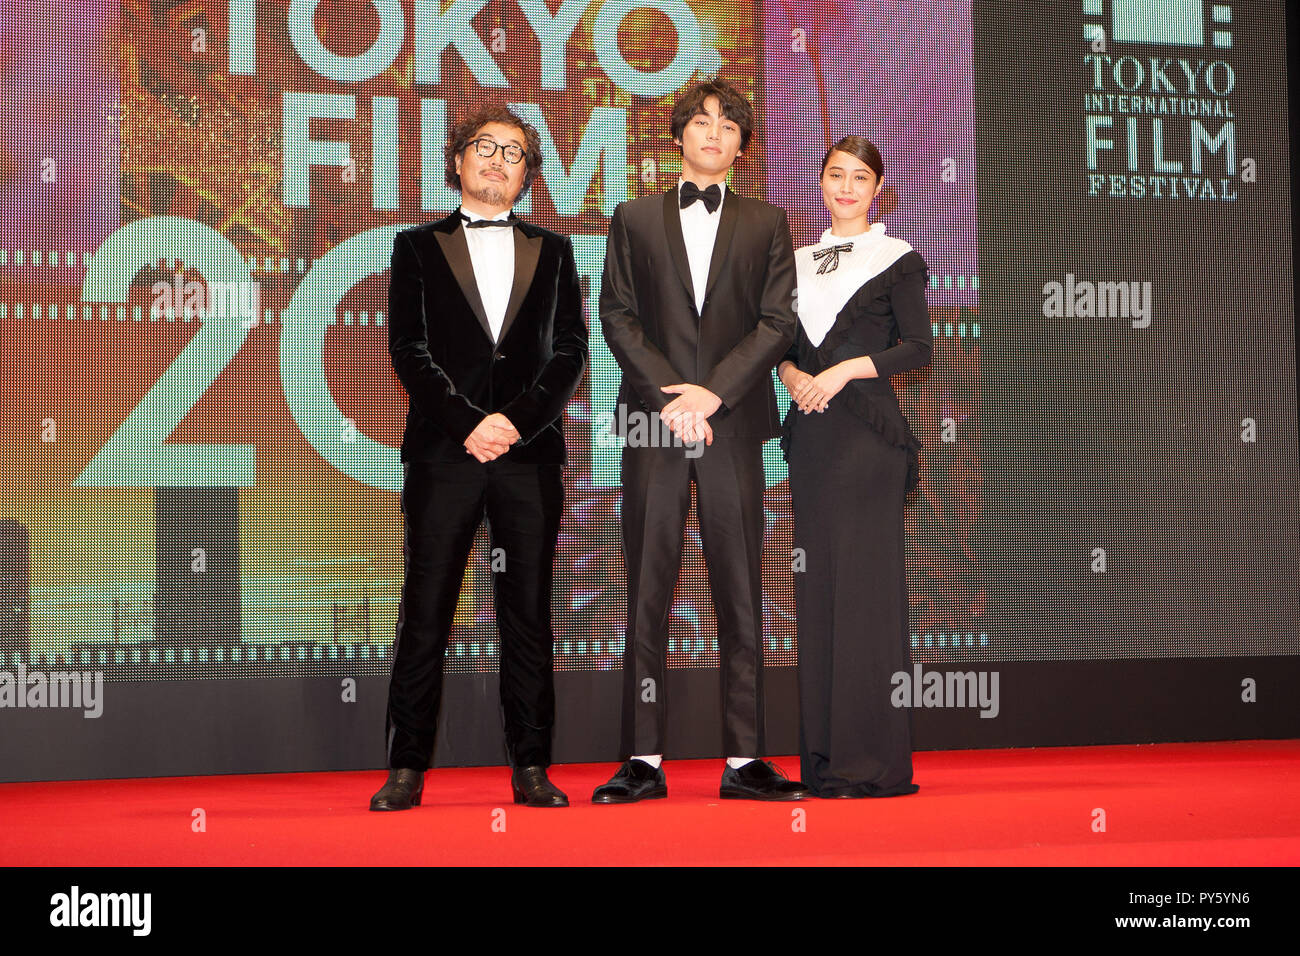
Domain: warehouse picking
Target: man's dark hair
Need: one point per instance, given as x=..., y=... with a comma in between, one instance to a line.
x=731, y=101
x=863, y=149
x=467, y=130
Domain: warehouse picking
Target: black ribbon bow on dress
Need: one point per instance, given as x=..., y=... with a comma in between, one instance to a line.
x=711, y=197
x=832, y=256
x=469, y=223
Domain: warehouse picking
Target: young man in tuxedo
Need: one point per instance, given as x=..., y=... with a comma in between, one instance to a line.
x=697, y=306
x=487, y=337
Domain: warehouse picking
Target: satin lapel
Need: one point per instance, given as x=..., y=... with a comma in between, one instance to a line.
x=676, y=243
x=722, y=244
x=456, y=250
x=528, y=250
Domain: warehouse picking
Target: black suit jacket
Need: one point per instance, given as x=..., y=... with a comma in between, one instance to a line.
x=648, y=315
x=442, y=348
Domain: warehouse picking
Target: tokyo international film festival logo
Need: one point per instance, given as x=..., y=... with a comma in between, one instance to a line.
x=1158, y=111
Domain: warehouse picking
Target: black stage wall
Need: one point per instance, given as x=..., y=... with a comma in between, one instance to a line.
x=166, y=728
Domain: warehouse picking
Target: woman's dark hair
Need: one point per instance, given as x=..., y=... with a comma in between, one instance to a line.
x=863, y=149
x=467, y=130
x=731, y=102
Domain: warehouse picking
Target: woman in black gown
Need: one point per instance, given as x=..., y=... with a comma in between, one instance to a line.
x=852, y=458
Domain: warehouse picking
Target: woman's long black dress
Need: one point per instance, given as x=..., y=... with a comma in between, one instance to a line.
x=850, y=469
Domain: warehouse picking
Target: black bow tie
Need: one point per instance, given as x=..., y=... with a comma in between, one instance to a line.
x=832, y=256
x=711, y=197
x=469, y=223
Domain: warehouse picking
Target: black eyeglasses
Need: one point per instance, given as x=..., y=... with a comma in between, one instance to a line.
x=487, y=148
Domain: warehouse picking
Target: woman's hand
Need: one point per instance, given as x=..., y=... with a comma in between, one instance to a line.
x=816, y=394
x=797, y=383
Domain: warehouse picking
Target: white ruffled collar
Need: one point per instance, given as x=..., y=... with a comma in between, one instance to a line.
x=876, y=230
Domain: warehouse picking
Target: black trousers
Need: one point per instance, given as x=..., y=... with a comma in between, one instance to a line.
x=442, y=506
x=729, y=485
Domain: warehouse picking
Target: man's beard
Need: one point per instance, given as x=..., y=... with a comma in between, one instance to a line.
x=489, y=194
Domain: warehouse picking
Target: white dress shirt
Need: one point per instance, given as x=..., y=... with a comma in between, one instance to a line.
x=492, y=251
x=700, y=230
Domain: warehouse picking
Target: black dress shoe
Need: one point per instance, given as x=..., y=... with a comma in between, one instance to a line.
x=866, y=790
x=759, y=780
x=401, y=792
x=635, y=780
x=844, y=793
x=532, y=788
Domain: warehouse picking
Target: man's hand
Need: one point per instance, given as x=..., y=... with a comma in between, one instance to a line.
x=701, y=430
x=686, y=413
x=492, y=437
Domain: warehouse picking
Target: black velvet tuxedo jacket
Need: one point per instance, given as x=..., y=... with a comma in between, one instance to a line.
x=648, y=314
x=443, y=352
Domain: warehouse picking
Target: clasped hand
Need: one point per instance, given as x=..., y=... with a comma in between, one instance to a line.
x=813, y=393
x=688, y=414
x=491, y=438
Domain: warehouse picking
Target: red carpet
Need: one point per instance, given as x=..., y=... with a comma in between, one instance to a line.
x=1167, y=804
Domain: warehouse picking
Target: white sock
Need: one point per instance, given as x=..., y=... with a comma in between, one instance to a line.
x=735, y=763
x=653, y=760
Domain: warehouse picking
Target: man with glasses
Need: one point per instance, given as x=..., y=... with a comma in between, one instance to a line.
x=487, y=336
